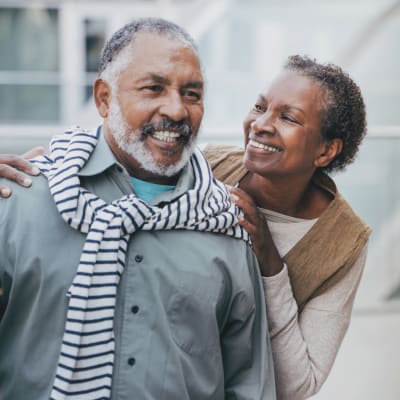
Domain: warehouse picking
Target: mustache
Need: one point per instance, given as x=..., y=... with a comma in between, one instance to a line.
x=166, y=124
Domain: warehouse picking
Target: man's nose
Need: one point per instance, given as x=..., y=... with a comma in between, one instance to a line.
x=264, y=124
x=174, y=107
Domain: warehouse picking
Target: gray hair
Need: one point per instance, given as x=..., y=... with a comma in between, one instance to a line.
x=116, y=56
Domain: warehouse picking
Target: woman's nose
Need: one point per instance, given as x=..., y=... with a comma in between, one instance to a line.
x=263, y=124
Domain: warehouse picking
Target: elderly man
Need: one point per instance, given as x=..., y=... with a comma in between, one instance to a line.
x=165, y=299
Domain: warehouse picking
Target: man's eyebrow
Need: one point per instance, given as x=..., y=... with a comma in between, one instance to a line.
x=155, y=78
x=162, y=80
x=261, y=98
x=194, y=85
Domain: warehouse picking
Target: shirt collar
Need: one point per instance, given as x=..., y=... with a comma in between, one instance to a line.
x=101, y=158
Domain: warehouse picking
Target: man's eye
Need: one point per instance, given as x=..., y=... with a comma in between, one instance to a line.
x=289, y=118
x=258, y=107
x=154, y=88
x=192, y=95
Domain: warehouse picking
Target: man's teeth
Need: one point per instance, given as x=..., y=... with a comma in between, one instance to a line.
x=263, y=146
x=166, y=136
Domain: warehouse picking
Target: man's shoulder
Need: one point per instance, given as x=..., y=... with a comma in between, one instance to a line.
x=214, y=243
x=233, y=253
x=25, y=200
x=39, y=187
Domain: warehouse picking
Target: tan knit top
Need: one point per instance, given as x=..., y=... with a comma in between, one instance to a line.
x=334, y=241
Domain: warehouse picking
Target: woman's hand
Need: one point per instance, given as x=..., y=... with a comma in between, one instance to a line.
x=255, y=224
x=15, y=168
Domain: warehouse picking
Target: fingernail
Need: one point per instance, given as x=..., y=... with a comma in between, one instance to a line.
x=233, y=197
x=27, y=182
x=5, y=192
x=35, y=170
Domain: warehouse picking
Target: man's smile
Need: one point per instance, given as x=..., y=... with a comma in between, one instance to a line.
x=166, y=136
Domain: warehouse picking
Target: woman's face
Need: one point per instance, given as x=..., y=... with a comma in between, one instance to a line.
x=283, y=129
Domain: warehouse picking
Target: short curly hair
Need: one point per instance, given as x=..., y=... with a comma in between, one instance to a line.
x=344, y=114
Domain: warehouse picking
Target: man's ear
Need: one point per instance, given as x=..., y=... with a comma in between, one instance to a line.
x=328, y=152
x=102, y=97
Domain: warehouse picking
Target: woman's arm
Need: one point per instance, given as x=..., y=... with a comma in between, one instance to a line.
x=253, y=221
x=15, y=168
x=305, y=345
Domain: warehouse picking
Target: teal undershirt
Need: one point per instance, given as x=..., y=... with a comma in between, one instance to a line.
x=146, y=191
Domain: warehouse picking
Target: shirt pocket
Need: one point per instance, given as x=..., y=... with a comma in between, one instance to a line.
x=192, y=314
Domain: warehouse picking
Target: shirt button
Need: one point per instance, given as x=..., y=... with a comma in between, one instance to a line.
x=138, y=258
x=131, y=361
x=135, y=309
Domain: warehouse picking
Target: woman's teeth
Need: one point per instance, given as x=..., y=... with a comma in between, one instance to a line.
x=263, y=146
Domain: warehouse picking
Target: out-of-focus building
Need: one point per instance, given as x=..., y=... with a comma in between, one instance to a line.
x=49, y=52
x=49, y=56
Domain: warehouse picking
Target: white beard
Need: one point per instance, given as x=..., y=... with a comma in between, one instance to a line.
x=130, y=142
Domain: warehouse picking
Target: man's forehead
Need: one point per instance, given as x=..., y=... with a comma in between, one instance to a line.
x=152, y=42
x=160, y=55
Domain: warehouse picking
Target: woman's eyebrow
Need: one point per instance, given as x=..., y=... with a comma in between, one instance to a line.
x=292, y=107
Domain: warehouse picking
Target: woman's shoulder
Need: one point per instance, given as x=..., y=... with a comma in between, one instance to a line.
x=338, y=206
x=219, y=152
x=336, y=241
x=226, y=162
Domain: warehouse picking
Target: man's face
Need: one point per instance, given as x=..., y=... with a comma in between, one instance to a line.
x=152, y=123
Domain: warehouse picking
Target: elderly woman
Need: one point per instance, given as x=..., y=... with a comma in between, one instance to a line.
x=310, y=244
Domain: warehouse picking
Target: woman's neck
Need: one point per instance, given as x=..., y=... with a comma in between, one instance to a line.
x=299, y=198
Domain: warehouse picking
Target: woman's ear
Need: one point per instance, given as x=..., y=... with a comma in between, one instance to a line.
x=102, y=97
x=329, y=151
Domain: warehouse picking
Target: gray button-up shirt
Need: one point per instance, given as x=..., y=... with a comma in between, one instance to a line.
x=190, y=319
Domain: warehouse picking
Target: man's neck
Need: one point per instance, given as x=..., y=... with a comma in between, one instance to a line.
x=142, y=174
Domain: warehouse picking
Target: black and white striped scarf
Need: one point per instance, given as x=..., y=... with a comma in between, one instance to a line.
x=85, y=364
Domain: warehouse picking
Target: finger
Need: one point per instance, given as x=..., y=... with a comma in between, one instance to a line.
x=5, y=191
x=16, y=162
x=242, y=195
x=257, y=239
x=15, y=175
x=36, y=151
x=249, y=208
x=247, y=225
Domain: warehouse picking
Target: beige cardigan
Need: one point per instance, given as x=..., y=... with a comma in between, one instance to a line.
x=325, y=259
x=335, y=241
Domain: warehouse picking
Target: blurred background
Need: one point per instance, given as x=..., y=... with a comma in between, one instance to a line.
x=48, y=60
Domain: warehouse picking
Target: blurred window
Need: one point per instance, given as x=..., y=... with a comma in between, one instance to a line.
x=244, y=49
x=29, y=65
x=95, y=31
